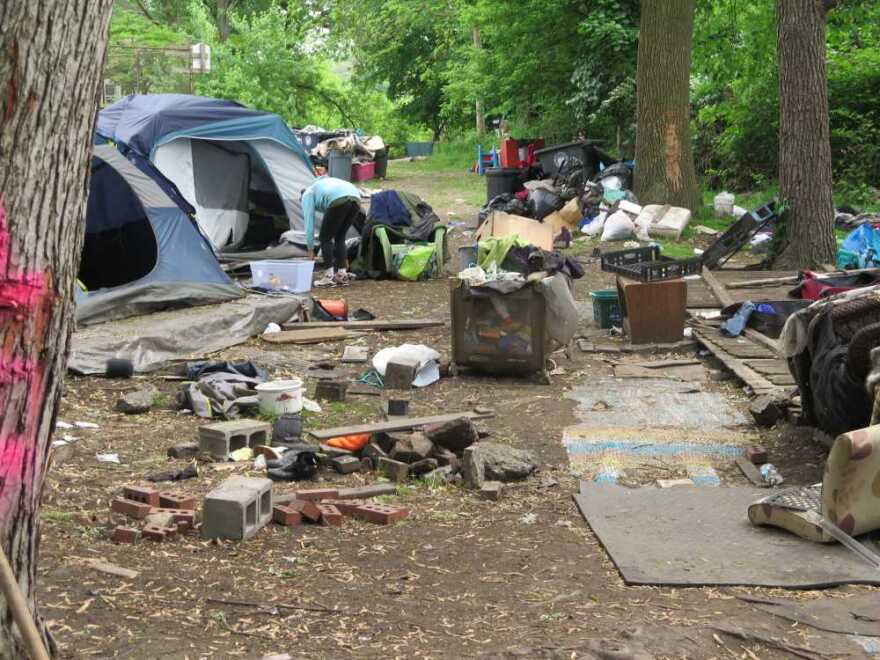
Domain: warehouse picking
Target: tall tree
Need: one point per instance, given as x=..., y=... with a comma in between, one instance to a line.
x=51, y=54
x=665, y=171
x=804, y=134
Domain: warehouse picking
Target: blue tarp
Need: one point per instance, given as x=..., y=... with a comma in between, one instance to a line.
x=863, y=246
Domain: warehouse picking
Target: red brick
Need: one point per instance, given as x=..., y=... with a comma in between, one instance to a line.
x=158, y=534
x=185, y=518
x=307, y=508
x=130, y=508
x=756, y=454
x=330, y=515
x=347, y=507
x=124, y=535
x=285, y=515
x=145, y=495
x=317, y=494
x=171, y=500
x=381, y=514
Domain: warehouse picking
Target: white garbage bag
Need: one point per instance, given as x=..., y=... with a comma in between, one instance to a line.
x=618, y=227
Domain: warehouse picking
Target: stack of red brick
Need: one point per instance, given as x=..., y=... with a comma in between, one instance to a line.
x=324, y=507
x=138, y=503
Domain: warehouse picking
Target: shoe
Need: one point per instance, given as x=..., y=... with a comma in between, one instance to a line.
x=340, y=279
x=326, y=281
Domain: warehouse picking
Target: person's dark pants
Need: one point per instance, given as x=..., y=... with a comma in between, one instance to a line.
x=337, y=219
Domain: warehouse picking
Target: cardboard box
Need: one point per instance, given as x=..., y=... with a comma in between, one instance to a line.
x=504, y=224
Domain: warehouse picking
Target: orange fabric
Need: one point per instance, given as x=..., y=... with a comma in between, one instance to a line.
x=350, y=442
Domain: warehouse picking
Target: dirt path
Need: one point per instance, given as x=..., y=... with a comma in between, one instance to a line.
x=461, y=577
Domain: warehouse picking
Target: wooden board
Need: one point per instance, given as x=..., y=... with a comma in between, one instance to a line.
x=375, y=324
x=700, y=295
x=769, y=367
x=752, y=378
x=398, y=424
x=308, y=336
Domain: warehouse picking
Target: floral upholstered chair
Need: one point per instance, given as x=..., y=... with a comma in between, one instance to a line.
x=849, y=495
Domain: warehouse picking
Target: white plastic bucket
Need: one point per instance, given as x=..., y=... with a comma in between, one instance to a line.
x=724, y=204
x=280, y=397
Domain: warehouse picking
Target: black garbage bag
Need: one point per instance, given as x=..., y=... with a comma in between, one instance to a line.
x=620, y=171
x=506, y=203
x=542, y=203
x=298, y=462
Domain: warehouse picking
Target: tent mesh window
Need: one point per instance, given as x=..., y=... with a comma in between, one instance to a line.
x=120, y=244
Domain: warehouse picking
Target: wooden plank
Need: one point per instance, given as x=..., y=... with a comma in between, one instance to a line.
x=375, y=324
x=399, y=424
x=783, y=380
x=717, y=288
x=763, y=339
x=661, y=364
x=772, y=281
x=768, y=366
x=308, y=336
x=751, y=472
x=745, y=373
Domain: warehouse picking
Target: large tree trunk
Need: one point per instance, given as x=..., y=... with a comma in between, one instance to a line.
x=804, y=136
x=664, y=158
x=51, y=55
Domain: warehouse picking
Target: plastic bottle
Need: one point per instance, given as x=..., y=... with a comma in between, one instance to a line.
x=771, y=474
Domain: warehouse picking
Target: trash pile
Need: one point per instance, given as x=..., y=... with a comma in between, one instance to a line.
x=368, y=154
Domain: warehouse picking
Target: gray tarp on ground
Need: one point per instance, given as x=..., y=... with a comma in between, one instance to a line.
x=156, y=340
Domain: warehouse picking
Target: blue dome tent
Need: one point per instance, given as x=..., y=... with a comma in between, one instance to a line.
x=142, y=253
x=241, y=169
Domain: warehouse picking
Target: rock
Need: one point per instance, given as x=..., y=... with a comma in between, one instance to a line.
x=766, y=410
x=395, y=470
x=423, y=466
x=162, y=520
x=441, y=475
x=492, y=490
x=445, y=457
x=136, y=403
x=374, y=452
x=505, y=463
x=185, y=450
x=473, y=468
x=411, y=448
x=455, y=436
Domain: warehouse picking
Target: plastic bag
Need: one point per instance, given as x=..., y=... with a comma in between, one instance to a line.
x=596, y=225
x=542, y=203
x=618, y=227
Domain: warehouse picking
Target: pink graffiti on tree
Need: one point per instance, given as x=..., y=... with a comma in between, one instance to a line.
x=23, y=297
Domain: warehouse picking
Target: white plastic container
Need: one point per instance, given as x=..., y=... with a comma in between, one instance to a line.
x=724, y=204
x=293, y=276
x=280, y=397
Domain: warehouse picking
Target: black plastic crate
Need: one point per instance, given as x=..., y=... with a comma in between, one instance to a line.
x=738, y=234
x=663, y=268
x=632, y=256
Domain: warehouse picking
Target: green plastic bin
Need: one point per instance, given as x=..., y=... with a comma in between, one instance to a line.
x=606, y=308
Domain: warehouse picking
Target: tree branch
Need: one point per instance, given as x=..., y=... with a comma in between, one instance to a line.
x=146, y=12
x=329, y=100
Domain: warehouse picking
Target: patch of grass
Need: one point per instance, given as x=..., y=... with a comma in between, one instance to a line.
x=58, y=516
x=160, y=400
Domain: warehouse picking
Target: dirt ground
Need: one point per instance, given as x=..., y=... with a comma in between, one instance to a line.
x=461, y=577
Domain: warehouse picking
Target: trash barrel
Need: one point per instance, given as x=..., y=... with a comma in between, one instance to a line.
x=381, y=160
x=339, y=165
x=500, y=180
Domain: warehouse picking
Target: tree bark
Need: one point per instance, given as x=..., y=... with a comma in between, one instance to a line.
x=804, y=136
x=51, y=55
x=481, y=119
x=665, y=171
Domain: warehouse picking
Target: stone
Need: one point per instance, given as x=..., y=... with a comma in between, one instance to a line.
x=374, y=452
x=455, y=436
x=332, y=452
x=136, y=403
x=672, y=483
x=185, y=450
x=442, y=475
x=346, y=464
x=373, y=490
x=411, y=448
x=766, y=410
x=162, y=520
x=400, y=375
x=446, y=457
x=423, y=466
x=492, y=490
x=505, y=463
x=331, y=390
x=473, y=468
x=395, y=470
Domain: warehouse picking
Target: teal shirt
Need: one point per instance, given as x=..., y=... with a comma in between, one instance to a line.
x=319, y=197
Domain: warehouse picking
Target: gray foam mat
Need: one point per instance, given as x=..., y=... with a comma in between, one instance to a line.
x=699, y=536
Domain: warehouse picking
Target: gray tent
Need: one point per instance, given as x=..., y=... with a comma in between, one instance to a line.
x=142, y=251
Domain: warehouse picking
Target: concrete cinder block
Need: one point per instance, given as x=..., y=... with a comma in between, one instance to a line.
x=221, y=439
x=400, y=375
x=237, y=509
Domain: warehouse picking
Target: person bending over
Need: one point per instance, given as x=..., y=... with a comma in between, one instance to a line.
x=340, y=203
